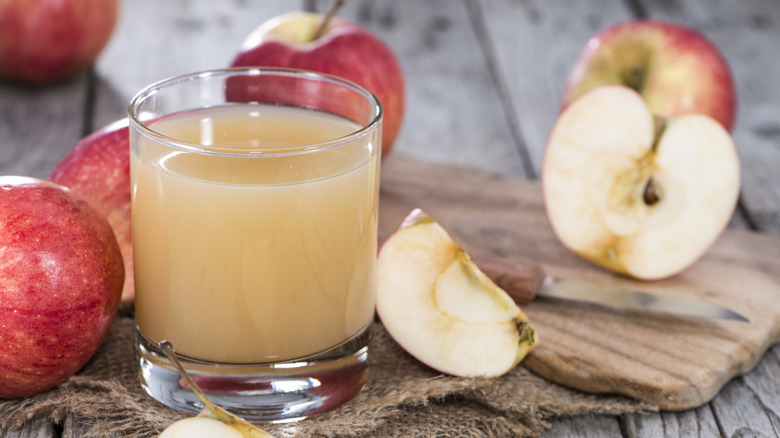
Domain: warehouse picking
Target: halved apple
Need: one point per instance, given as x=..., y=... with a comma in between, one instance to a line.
x=437, y=304
x=634, y=193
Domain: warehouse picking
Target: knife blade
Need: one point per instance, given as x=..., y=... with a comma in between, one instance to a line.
x=524, y=280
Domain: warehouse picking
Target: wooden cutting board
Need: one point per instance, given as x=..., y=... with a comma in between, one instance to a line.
x=674, y=362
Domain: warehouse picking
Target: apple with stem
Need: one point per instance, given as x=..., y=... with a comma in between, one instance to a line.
x=62, y=276
x=335, y=46
x=677, y=70
x=98, y=169
x=45, y=40
x=437, y=304
x=212, y=421
x=634, y=193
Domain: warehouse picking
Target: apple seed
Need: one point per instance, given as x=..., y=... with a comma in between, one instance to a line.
x=651, y=195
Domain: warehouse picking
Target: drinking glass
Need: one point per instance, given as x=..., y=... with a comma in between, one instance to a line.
x=254, y=217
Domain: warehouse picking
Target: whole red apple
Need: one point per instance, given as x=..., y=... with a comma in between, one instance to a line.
x=44, y=40
x=98, y=169
x=674, y=68
x=62, y=276
x=345, y=49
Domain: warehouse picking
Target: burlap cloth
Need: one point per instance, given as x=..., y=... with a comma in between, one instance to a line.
x=402, y=398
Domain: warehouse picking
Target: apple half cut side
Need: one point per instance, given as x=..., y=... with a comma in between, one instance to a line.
x=440, y=308
x=636, y=194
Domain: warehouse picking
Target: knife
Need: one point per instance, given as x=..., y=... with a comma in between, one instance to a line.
x=525, y=280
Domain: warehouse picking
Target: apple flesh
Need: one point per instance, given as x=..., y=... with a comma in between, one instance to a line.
x=205, y=427
x=346, y=50
x=674, y=68
x=633, y=193
x=62, y=276
x=98, y=169
x=44, y=40
x=442, y=309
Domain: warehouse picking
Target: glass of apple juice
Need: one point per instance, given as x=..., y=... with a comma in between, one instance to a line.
x=254, y=216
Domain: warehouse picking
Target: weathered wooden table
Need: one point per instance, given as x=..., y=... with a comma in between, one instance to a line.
x=484, y=81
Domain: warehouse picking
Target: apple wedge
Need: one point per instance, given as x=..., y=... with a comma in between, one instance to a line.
x=637, y=194
x=437, y=304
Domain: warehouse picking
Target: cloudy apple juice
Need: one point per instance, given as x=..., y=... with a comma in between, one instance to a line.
x=260, y=246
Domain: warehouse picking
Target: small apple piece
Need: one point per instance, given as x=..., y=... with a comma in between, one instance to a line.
x=45, y=40
x=97, y=168
x=61, y=276
x=674, y=68
x=344, y=49
x=200, y=427
x=212, y=421
x=633, y=193
x=437, y=304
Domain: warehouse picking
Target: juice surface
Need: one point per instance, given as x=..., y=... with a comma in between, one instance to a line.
x=254, y=259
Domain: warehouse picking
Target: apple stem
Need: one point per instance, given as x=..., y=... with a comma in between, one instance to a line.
x=636, y=78
x=334, y=8
x=660, y=127
x=167, y=348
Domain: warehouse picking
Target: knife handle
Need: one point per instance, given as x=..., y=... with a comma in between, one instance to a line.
x=519, y=278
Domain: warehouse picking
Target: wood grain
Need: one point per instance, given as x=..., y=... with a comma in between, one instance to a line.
x=673, y=362
x=535, y=44
x=57, y=110
x=454, y=112
x=34, y=428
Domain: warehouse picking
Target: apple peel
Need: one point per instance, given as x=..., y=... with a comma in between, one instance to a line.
x=438, y=305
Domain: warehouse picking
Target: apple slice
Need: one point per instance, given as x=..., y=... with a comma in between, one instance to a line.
x=633, y=193
x=442, y=309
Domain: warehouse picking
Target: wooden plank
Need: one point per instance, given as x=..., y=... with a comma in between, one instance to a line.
x=35, y=428
x=749, y=405
x=39, y=124
x=535, y=44
x=73, y=428
x=598, y=426
x=453, y=110
x=761, y=383
x=695, y=423
x=747, y=33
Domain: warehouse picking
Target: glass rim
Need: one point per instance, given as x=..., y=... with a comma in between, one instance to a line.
x=154, y=88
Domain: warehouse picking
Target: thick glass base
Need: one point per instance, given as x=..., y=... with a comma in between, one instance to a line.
x=267, y=393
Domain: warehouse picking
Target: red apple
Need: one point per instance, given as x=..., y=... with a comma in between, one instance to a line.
x=675, y=69
x=98, y=169
x=62, y=275
x=345, y=49
x=44, y=40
